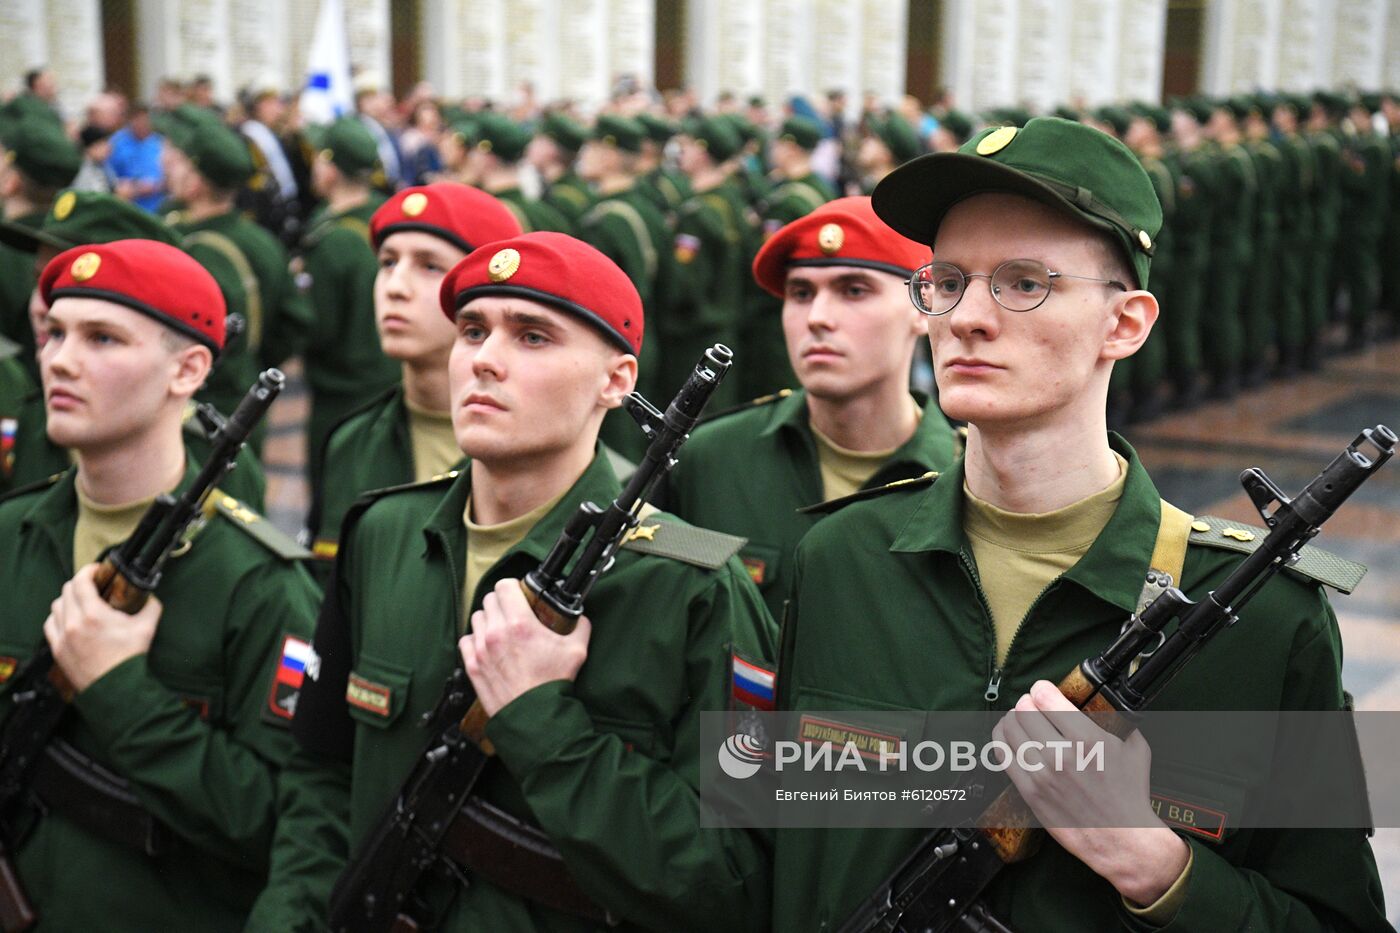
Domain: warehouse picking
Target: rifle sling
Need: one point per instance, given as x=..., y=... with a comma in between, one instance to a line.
x=102, y=803
x=518, y=858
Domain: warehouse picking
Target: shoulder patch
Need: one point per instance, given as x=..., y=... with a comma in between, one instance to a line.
x=753, y=403
x=1313, y=562
x=699, y=547
x=256, y=527
x=36, y=486
x=899, y=485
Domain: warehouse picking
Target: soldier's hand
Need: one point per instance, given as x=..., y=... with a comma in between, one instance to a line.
x=89, y=637
x=510, y=652
x=1131, y=848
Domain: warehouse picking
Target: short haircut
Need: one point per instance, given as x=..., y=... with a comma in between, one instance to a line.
x=32, y=76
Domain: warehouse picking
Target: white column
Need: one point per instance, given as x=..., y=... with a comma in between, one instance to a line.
x=582, y=49
x=1246, y=47
x=260, y=44
x=367, y=27
x=788, y=60
x=884, y=49
x=464, y=48
x=1095, y=32
x=301, y=30
x=1358, y=56
x=980, y=52
x=75, y=52
x=1142, y=49
x=198, y=37
x=1042, y=78
x=1391, y=77
x=1301, y=57
x=22, y=23
x=836, y=49
x=533, y=52
x=632, y=39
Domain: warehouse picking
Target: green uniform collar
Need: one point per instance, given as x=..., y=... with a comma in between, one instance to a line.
x=936, y=524
x=445, y=528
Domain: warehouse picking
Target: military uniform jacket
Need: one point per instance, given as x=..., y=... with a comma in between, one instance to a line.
x=606, y=765
x=888, y=613
x=199, y=725
x=792, y=200
x=570, y=197
x=534, y=216
x=17, y=282
x=772, y=439
x=338, y=266
x=667, y=189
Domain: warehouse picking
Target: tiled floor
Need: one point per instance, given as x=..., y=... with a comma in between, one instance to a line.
x=1291, y=430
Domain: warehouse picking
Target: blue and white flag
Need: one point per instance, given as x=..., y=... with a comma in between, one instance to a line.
x=327, y=93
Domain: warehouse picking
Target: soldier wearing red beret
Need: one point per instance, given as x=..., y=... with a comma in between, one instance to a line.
x=850, y=333
x=405, y=434
x=595, y=733
x=187, y=701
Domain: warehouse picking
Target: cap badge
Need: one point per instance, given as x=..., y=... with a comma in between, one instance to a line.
x=830, y=239
x=503, y=265
x=64, y=205
x=85, y=266
x=996, y=140
x=415, y=204
x=1145, y=239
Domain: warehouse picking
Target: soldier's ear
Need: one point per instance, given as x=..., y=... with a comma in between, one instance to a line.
x=622, y=379
x=1133, y=314
x=192, y=365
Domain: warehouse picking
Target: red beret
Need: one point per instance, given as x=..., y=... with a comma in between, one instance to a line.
x=844, y=232
x=464, y=216
x=557, y=270
x=147, y=276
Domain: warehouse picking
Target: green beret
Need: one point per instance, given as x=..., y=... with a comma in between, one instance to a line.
x=41, y=151
x=351, y=147
x=1066, y=165
x=565, y=132
x=624, y=133
x=217, y=152
x=804, y=131
x=896, y=133
x=957, y=123
x=80, y=217
x=499, y=135
x=658, y=129
x=716, y=134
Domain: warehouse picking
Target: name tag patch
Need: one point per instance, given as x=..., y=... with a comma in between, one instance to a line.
x=369, y=696
x=870, y=743
x=1202, y=821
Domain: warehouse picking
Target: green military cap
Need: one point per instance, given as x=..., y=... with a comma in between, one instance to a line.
x=957, y=123
x=349, y=146
x=1239, y=105
x=463, y=127
x=658, y=129
x=743, y=127
x=1064, y=164
x=1371, y=100
x=217, y=152
x=1160, y=117
x=1066, y=112
x=81, y=217
x=567, y=133
x=499, y=135
x=715, y=134
x=1114, y=117
x=41, y=151
x=624, y=133
x=1335, y=104
x=804, y=131
x=896, y=133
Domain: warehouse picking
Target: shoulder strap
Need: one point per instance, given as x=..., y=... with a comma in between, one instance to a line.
x=1313, y=563
x=752, y=403
x=1168, y=554
x=254, y=525
x=910, y=484
x=619, y=208
x=699, y=547
x=355, y=225
x=234, y=255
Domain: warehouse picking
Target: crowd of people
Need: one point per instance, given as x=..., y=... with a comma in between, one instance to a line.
x=474, y=292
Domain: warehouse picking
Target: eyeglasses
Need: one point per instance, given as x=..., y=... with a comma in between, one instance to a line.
x=1017, y=285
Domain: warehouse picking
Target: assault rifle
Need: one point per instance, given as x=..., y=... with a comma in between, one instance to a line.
x=939, y=885
x=40, y=693
x=434, y=807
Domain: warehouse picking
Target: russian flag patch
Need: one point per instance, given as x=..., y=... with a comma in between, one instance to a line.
x=753, y=685
x=297, y=654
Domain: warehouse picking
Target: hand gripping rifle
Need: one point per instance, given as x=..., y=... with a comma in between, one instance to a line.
x=125, y=579
x=938, y=886
x=376, y=891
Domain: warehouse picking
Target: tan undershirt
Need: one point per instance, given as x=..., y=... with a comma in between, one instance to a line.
x=434, y=444
x=487, y=544
x=1019, y=555
x=845, y=471
x=102, y=526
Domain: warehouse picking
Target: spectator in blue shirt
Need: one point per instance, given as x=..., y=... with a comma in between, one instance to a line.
x=135, y=160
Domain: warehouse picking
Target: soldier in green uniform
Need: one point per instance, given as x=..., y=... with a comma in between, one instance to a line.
x=36, y=161
x=206, y=163
x=496, y=144
x=1235, y=193
x=596, y=735
x=840, y=275
x=982, y=588
x=1390, y=263
x=713, y=246
x=79, y=218
x=667, y=187
x=1122, y=384
x=1149, y=365
x=1294, y=269
x=1325, y=137
x=553, y=152
x=404, y=435
x=626, y=226
x=888, y=142
x=335, y=268
x=1191, y=225
x=1261, y=300
x=188, y=701
x=1365, y=180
